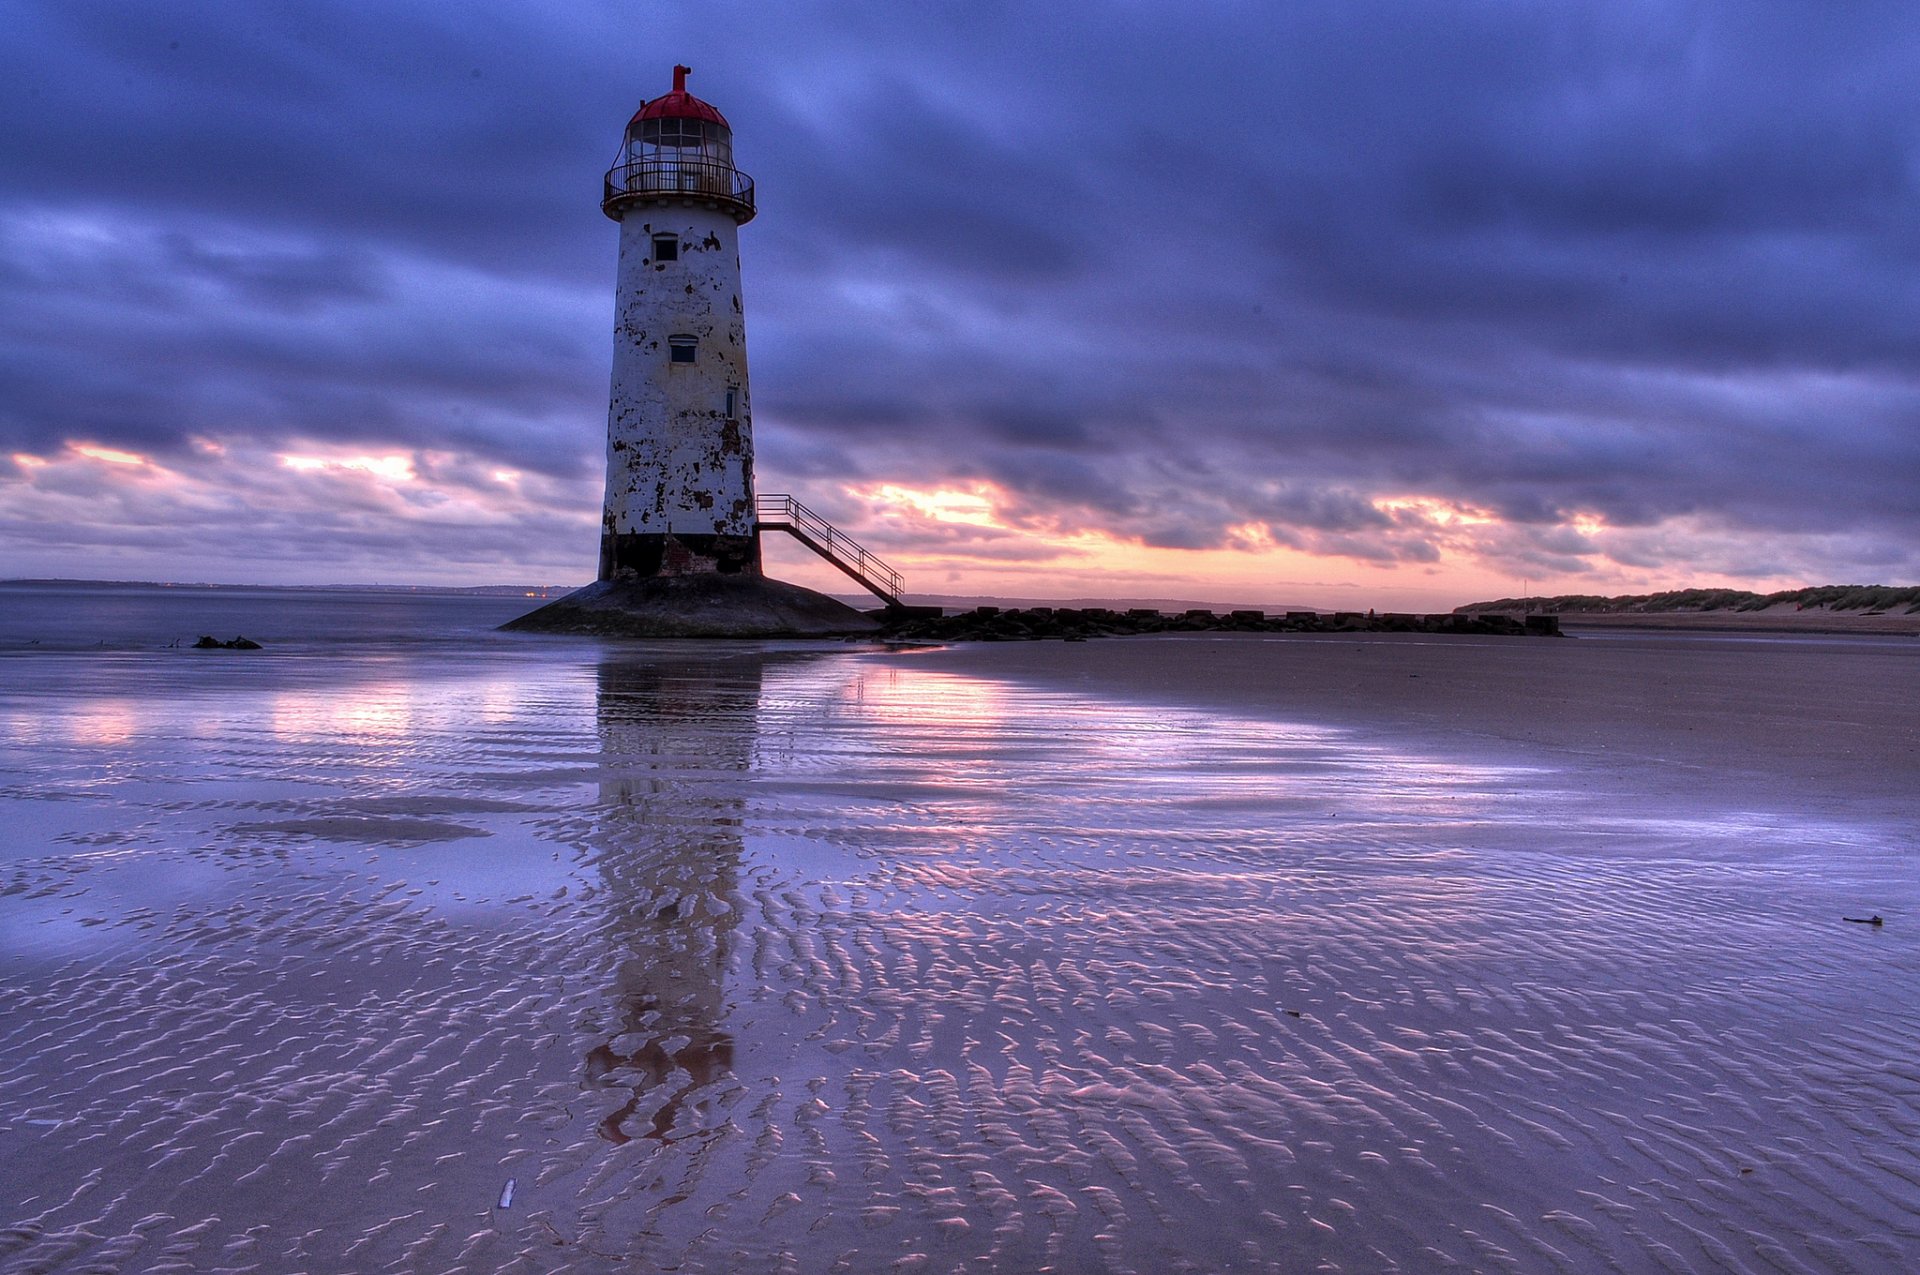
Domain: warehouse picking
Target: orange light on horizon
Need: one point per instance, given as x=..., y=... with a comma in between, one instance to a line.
x=1046, y=555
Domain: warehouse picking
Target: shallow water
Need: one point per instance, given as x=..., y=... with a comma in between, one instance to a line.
x=814, y=959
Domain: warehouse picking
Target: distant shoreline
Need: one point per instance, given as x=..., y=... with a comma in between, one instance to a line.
x=1825, y=608
x=466, y=590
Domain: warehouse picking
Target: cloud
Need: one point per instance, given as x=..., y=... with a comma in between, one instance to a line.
x=1630, y=281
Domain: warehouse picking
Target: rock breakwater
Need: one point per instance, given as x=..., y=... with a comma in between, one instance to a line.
x=994, y=624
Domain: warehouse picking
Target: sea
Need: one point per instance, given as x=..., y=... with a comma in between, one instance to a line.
x=404, y=944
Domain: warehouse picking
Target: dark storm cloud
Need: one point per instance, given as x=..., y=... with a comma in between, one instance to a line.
x=1524, y=262
x=297, y=280
x=1163, y=272
x=403, y=124
x=952, y=194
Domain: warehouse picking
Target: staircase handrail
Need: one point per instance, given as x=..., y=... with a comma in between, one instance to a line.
x=832, y=544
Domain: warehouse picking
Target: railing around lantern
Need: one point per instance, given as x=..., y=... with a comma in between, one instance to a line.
x=693, y=178
x=784, y=513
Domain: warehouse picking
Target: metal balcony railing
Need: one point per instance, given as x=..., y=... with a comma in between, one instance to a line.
x=784, y=513
x=703, y=179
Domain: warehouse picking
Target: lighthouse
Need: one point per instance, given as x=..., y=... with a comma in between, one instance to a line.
x=680, y=527
x=679, y=420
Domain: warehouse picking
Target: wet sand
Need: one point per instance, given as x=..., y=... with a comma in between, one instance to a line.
x=1214, y=954
x=1817, y=722
x=1781, y=619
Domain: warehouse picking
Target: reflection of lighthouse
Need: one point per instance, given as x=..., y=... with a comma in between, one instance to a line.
x=680, y=531
x=679, y=426
x=669, y=847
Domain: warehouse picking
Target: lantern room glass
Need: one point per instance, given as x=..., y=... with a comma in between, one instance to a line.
x=680, y=139
x=678, y=155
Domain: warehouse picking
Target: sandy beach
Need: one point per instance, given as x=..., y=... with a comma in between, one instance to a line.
x=1773, y=620
x=1815, y=721
x=1206, y=953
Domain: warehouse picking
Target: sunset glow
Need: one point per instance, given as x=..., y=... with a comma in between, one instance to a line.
x=1397, y=348
x=393, y=469
x=1439, y=513
x=972, y=539
x=974, y=507
x=110, y=455
x=950, y=540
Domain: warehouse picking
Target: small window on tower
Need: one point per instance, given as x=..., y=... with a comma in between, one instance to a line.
x=682, y=347
x=666, y=247
x=733, y=402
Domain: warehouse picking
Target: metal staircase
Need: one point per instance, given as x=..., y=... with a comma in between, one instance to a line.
x=784, y=513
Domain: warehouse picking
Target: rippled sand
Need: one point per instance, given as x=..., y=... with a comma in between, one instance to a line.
x=562, y=959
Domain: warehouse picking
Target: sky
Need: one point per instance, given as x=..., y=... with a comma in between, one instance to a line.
x=1394, y=304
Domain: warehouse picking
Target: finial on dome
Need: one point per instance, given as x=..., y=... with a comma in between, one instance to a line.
x=680, y=78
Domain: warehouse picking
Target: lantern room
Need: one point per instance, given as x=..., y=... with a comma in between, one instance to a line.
x=678, y=149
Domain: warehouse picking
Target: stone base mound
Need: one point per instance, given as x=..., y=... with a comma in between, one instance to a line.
x=696, y=606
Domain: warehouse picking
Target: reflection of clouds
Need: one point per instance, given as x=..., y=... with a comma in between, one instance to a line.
x=973, y=796
x=902, y=695
x=983, y=790
x=96, y=721
x=357, y=710
x=394, y=709
x=105, y=721
x=954, y=734
x=495, y=701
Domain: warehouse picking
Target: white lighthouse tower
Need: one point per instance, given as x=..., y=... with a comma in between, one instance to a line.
x=680, y=532
x=679, y=422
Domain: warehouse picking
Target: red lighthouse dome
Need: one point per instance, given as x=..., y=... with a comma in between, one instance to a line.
x=679, y=104
x=677, y=149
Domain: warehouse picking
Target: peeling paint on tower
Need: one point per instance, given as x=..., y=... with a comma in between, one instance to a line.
x=679, y=422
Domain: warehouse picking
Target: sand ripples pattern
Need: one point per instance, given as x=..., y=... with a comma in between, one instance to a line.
x=806, y=962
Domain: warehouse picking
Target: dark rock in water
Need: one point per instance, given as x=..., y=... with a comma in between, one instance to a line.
x=696, y=606
x=1865, y=920
x=208, y=642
